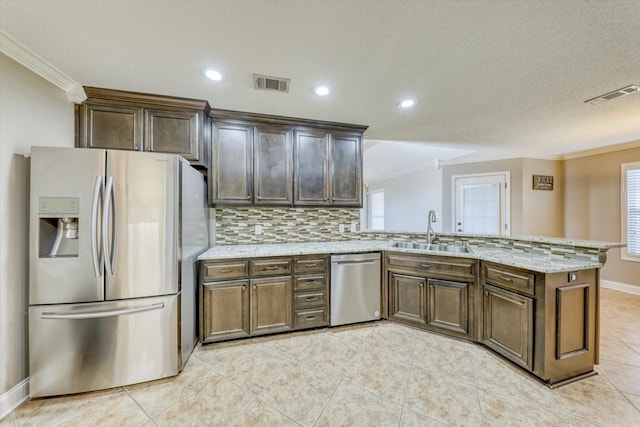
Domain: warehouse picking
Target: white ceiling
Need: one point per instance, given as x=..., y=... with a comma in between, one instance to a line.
x=498, y=76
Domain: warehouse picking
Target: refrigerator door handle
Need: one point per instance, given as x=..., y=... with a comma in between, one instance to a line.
x=97, y=258
x=109, y=243
x=100, y=314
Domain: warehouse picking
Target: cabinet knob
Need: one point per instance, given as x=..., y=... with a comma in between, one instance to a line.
x=244, y=287
x=255, y=287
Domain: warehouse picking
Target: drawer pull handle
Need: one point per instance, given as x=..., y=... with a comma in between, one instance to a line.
x=507, y=279
x=226, y=270
x=426, y=265
x=310, y=298
x=272, y=267
x=311, y=281
x=310, y=317
x=310, y=264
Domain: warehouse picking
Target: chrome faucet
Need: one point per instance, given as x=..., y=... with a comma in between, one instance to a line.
x=431, y=218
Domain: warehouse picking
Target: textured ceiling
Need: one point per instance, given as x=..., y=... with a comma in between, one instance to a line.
x=495, y=76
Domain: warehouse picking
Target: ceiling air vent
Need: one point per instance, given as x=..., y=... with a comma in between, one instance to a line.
x=278, y=84
x=615, y=94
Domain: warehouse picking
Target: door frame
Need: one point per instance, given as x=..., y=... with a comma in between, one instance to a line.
x=505, y=198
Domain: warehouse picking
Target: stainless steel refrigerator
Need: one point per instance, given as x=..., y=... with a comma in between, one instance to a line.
x=114, y=241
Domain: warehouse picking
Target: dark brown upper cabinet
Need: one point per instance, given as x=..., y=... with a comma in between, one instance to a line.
x=345, y=169
x=272, y=158
x=282, y=161
x=122, y=120
x=311, y=168
x=111, y=126
x=231, y=177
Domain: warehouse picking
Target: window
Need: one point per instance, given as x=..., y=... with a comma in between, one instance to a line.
x=377, y=210
x=631, y=211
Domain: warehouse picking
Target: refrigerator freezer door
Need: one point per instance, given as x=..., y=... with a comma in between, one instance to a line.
x=142, y=228
x=81, y=347
x=60, y=176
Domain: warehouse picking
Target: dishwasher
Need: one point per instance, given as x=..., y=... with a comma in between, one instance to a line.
x=355, y=288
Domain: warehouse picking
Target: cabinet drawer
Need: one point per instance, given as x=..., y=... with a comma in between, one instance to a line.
x=310, y=282
x=428, y=265
x=310, y=265
x=510, y=279
x=309, y=299
x=311, y=318
x=225, y=270
x=269, y=267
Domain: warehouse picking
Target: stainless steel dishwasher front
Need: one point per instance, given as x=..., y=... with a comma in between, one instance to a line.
x=355, y=288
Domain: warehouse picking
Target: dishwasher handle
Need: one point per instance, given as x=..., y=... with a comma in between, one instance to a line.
x=359, y=262
x=363, y=258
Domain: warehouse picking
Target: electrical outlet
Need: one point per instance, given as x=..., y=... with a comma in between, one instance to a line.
x=353, y=227
x=341, y=228
x=258, y=229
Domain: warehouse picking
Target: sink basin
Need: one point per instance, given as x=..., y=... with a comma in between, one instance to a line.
x=432, y=247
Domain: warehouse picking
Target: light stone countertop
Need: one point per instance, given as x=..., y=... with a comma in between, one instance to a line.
x=541, y=263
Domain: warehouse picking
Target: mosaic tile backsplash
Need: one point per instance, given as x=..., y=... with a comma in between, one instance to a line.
x=236, y=226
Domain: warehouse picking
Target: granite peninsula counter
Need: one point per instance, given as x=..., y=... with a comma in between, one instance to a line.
x=539, y=254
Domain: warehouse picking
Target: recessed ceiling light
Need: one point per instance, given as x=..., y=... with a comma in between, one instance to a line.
x=322, y=90
x=213, y=74
x=407, y=103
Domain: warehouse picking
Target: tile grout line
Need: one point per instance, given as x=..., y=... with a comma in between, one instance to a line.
x=139, y=406
x=406, y=385
x=324, y=407
x=477, y=387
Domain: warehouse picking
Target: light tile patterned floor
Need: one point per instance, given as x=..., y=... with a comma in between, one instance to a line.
x=380, y=374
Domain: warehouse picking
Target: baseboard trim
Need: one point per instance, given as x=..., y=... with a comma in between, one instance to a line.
x=14, y=397
x=623, y=287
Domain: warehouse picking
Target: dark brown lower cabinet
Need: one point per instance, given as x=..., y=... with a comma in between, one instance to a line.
x=226, y=314
x=448, y=305
x=407, y=299
x=432, y=292
x=270, y=305
x=508, y=325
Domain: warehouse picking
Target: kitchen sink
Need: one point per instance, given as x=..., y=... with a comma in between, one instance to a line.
x=433, y=247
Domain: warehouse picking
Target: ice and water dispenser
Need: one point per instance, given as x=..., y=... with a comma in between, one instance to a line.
x=58, y=226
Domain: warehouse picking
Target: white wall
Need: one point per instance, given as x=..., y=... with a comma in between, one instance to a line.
x=32, y=112
x=408, y=198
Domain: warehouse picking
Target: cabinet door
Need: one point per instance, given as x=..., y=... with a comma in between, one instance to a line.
x=175, y=132
x=272, y=166
x=508, y=324
x=231, y=177
x=225, y=310
x=271, y=305
x=449, y=305
x=111, y=126
x=407, y=299
x=346, y=170
x=311, y=174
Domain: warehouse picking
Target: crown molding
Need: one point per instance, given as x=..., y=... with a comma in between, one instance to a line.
x=32, y=61
x=602, y=150
x=480, y=157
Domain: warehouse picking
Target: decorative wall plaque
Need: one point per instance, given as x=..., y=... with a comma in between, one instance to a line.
x=542, y=182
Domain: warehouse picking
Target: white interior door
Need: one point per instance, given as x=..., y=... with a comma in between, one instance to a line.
x=482, y=203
